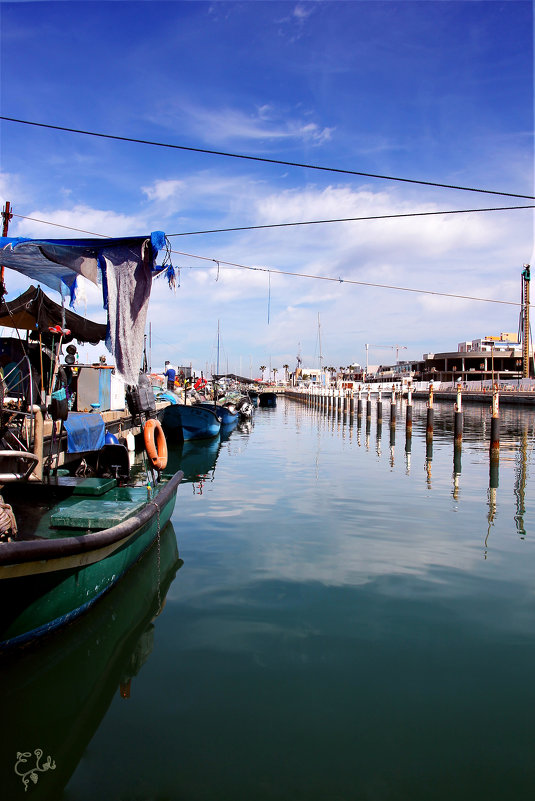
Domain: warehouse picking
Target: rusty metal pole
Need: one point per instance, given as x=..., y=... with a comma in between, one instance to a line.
x=525, y=321
x=7, y=215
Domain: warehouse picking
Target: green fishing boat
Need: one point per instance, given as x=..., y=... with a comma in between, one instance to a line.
x=76, y=538
x=68, y=535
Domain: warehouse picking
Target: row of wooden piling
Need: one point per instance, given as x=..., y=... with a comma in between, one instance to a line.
x=343, y=402
x=342, y=406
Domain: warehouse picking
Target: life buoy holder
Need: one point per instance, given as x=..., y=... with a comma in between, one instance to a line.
x=155, y=444
x=200, y=383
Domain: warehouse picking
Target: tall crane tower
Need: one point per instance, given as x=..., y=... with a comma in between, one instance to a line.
x=299, y=362
x=397, y=348
x=524, y=320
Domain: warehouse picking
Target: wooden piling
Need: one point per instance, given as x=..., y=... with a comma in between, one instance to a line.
x=408, y=412
x=430, y=414
x=369, y=405
x=379, y=406
x=393, y=408
x=458, y=416
x=495, y=424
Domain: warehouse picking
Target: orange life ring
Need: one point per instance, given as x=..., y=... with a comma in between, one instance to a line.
x=155, y=444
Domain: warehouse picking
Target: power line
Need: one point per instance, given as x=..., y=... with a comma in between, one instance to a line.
x=219, y=262
x=348, y=219
x=294, y=224
x=262, y=159
x=271, y=270
x=60, y=225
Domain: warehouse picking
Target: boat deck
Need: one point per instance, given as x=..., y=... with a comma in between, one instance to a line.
x=69, y=506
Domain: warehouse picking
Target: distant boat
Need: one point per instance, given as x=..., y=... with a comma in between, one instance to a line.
x=267, y=399
x=242, y=403
x=184, y=422
x=227, y=414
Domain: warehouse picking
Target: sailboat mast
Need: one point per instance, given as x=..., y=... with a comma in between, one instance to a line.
x=217, y=368
x=319, y=345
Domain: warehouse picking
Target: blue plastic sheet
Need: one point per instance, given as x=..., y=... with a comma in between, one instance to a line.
x=85, y=432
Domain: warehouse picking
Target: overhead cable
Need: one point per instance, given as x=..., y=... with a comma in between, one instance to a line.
x=294, y=224
x=261, y=159
x=341, y=280
x=271, y=270
x=348, y=219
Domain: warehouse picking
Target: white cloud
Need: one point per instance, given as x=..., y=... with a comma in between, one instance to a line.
x=224, y=124
x=302, y=12
x=163, y=190
x=80, y=220
x=477, y=254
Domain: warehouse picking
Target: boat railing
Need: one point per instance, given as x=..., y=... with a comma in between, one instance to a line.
x=21, y=426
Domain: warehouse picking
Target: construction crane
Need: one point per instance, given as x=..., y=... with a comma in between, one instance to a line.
x=397, y=348
x=524, y=320
x=299, y=362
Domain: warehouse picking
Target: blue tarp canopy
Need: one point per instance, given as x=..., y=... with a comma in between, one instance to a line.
x=125, y=266
x=57, y=263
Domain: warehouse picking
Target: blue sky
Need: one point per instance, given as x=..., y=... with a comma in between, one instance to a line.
x=431, y=91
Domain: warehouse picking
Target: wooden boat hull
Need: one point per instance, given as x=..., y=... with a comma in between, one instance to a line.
x=46, y=583
x=183, y=422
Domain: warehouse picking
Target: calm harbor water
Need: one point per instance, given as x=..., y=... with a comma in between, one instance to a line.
x=343, y=619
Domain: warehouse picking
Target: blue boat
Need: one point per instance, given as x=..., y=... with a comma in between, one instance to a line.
x=267, y=399
x=183, y=422
x=227, y=414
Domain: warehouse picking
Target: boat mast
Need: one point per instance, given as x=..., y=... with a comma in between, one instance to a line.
x=217, y=367
x=319, y=345
x=217, y=363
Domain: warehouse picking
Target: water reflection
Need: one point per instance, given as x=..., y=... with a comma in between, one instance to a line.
x=196, y=458
x=521, y=474
x=457, y=467
x=515, y=444
x=55, y=694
